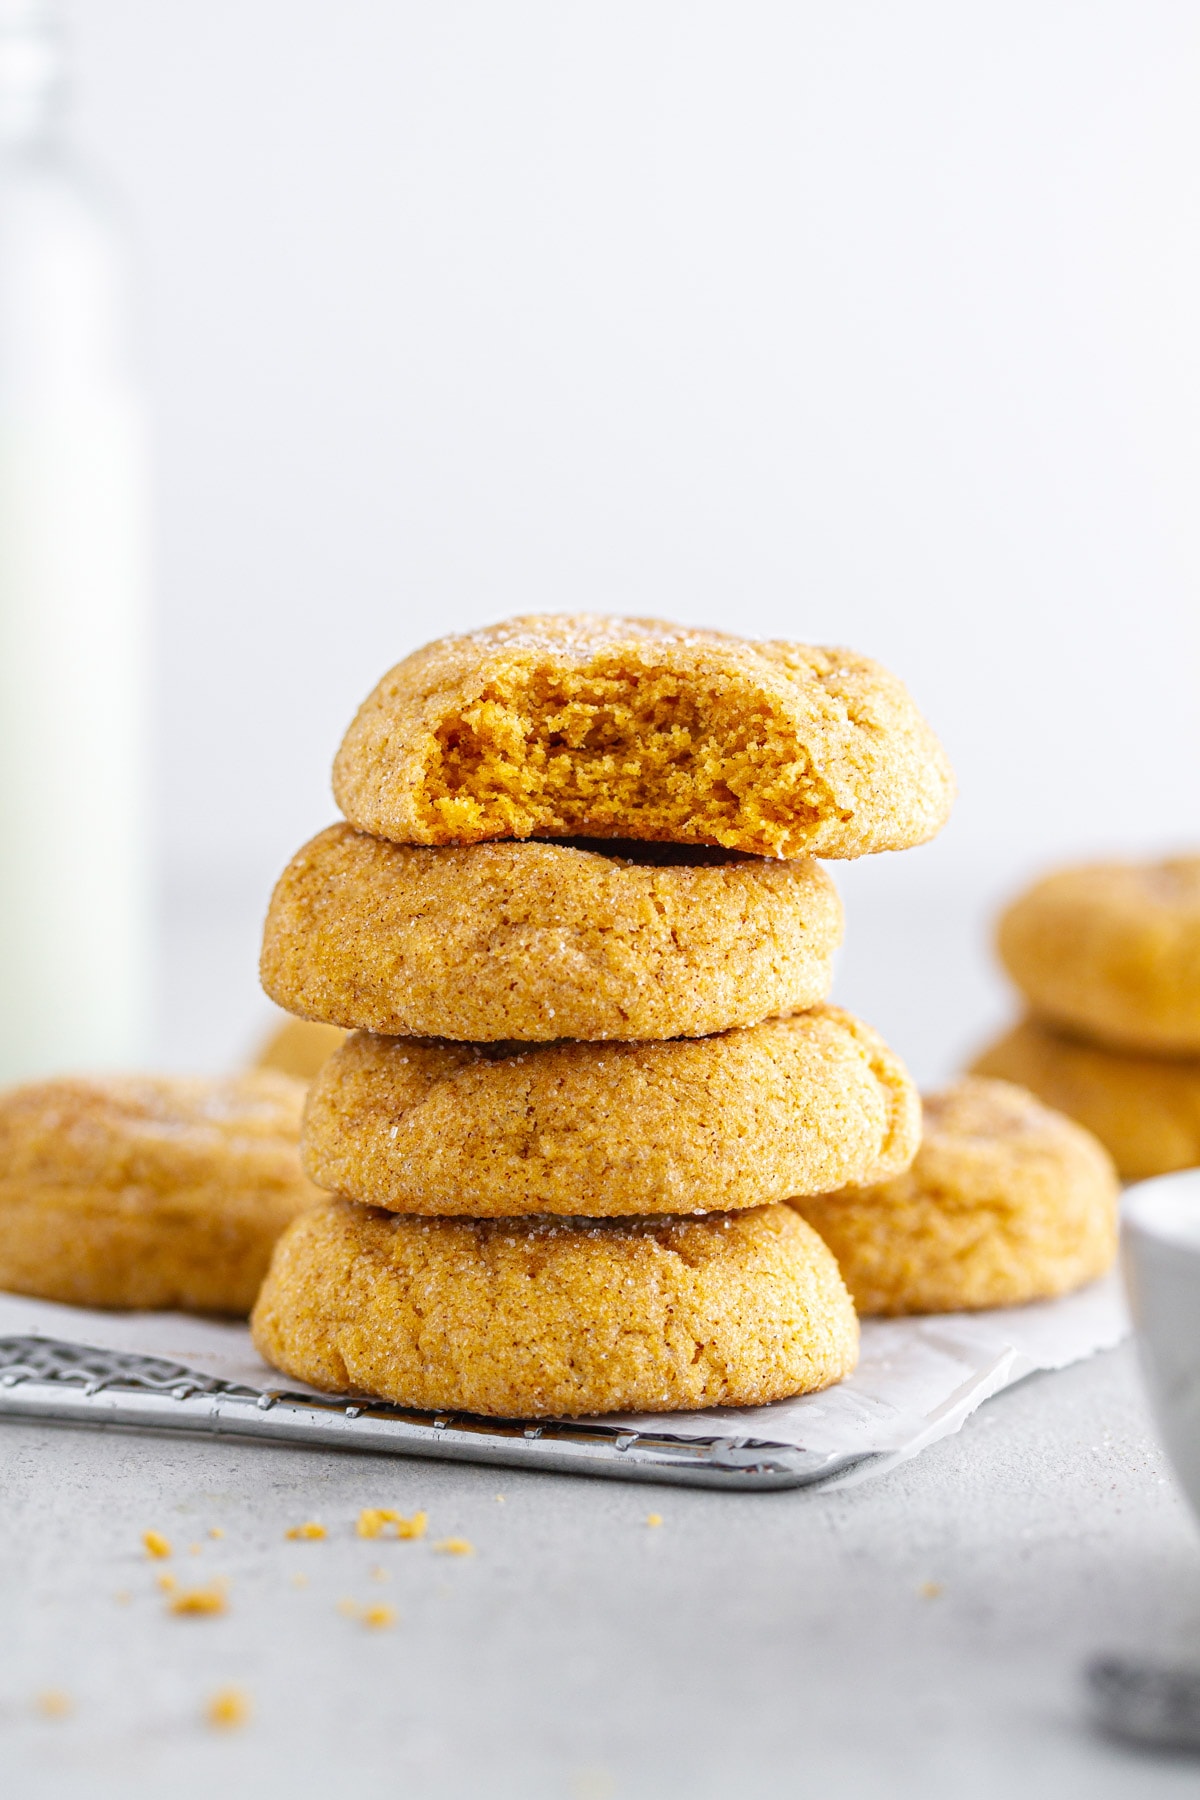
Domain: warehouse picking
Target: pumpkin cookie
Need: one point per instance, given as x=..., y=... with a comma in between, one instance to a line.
x=1144, y=1109
x=132, y=1191
x=528, y=941
x=1006, y=1202
x=630, y=728
x=299, y=1047
x=693, y=1125
x=560, y=1317
x=1112, y=951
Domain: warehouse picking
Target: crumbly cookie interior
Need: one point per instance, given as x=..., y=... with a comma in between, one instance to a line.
x=599, y=752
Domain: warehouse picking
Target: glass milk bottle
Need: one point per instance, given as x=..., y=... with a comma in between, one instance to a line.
x=74, y=883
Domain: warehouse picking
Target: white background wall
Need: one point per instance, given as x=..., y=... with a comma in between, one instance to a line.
x=865, y=322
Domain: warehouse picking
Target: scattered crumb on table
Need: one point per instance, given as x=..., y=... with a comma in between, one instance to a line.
x=156, y=1544
x=54, y=1703
x=455, y=1546
x=228, y=1708
x=201, y=1600
x=310, y=1529
x=654, y=1518
x=378, y=1618
x=373, y=1522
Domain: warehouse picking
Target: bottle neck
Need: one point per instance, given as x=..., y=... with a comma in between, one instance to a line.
x=32, y=74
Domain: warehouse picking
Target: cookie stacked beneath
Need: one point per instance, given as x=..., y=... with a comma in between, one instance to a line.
x=1107, y=959
x=574, y=926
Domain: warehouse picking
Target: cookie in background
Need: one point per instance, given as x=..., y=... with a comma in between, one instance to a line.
x=1111, y=952
x=299, y=1047
x=1144, y=1109
x=1106, y=957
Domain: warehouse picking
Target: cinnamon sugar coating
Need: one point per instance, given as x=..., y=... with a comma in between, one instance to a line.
x=540, y=941
x=544, y=1317
x=561, y=726
x=693, y=1125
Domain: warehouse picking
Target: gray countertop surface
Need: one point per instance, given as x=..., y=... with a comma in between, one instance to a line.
x=919, y=1635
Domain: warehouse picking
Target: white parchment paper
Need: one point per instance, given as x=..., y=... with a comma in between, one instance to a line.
x=917, y=1379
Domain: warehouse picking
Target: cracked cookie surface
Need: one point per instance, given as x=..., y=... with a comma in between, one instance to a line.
x=692, y=1125
x=556, y=1317
x=539, y=941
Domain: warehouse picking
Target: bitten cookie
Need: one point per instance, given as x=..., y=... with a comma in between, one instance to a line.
x=694, y=1125
x=1006, y=1202
x=532, y=1317
x=140, y=1191
x=1112, y=951
x=1144, y=1109
x=528, y=941
x=589, y=726
x=299, y=1047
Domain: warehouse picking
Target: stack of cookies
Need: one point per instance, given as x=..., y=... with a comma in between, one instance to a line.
x=1107, y=958
x=573, y=924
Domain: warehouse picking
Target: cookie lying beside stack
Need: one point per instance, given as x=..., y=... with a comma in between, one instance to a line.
x=1005, y=1202
x=1107, y=958
x=590, y=1053
x=148, y=1190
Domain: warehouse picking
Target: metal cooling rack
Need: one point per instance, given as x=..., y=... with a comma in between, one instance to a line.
x=75, y=1384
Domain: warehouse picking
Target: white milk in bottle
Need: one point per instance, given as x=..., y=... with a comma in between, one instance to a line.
x=74, y=887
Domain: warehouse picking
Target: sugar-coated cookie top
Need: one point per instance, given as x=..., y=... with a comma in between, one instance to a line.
x=597, y=726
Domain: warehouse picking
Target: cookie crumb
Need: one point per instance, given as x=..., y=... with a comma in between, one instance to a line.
x=202, y=1600
x=228, y=1708
x=654, y=1518
x=500, y=1498
x=299, y=1579
x=156, y=1544
x=167, y=1582
x=310, y=1529
x=373, y=1522
x=455, y=1546
x=929, y=1590
x=214, y=1531
x=54, y=1703
x=378, y=1618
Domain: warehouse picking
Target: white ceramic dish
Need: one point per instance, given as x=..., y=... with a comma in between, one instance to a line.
x=1161, y=1253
